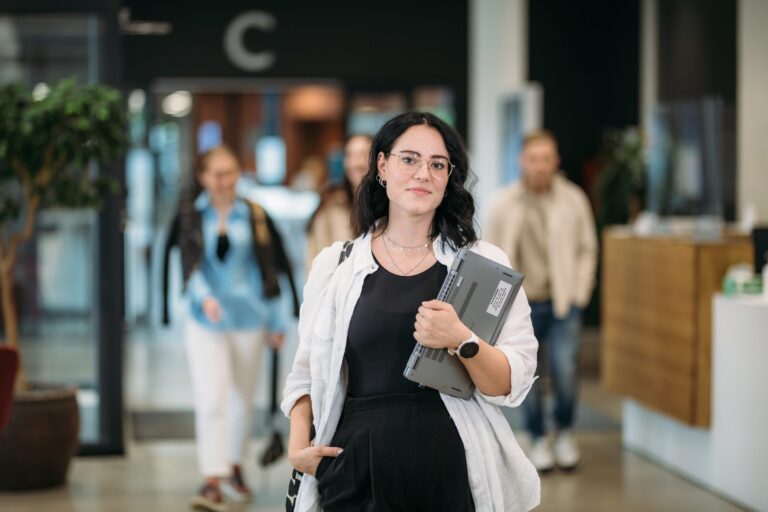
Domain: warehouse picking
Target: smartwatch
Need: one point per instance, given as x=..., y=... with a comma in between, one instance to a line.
x=469, y=348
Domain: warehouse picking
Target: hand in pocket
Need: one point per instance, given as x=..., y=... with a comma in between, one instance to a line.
x=307, y=459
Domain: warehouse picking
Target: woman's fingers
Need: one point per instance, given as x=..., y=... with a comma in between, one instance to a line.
x=436, y=305
x=437, y=328
x=309, y=458
x=328, y=451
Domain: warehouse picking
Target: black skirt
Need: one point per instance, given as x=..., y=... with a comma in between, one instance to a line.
x=401, y=452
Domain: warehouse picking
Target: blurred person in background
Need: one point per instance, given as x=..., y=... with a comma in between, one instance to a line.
x=231, y=255
x=545, y=225
x=381, y=441
x=332, y=219
x=311, y=174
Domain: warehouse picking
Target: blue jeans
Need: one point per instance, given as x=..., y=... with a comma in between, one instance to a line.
x=559, y=337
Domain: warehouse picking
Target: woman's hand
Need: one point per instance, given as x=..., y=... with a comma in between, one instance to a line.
x=275, y=339
x=307, y=459
x=212, y=310
x=438, y=326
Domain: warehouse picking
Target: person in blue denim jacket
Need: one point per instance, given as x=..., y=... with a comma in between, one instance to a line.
x=231, y=255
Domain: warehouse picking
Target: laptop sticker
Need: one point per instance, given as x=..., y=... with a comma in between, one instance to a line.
x=498, y=299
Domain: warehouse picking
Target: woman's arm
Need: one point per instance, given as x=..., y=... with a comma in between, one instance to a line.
x=516, y=343
x=438, y=326
x=199, y=291
x=297, y=404
x=489, y=370
x=302, y=455
x=297, y=383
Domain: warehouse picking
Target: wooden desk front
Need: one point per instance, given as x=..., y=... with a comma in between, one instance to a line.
x=656, y=318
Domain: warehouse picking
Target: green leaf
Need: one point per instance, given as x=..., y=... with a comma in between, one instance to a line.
x=57, y=138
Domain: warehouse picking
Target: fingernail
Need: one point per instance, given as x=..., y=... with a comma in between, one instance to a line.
x=340, y=450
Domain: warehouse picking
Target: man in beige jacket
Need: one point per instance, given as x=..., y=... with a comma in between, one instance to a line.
x=545, y=224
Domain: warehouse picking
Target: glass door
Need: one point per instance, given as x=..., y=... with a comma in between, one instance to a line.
x=70, y=322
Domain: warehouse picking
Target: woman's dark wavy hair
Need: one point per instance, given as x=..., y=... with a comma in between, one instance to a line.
x=454, y=218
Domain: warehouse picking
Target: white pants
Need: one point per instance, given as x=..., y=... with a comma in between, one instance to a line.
x=223, y=367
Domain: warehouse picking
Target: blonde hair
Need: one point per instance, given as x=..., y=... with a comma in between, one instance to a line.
x=540, y=135
x=221, y=150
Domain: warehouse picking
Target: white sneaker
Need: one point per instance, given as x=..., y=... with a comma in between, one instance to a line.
x=567, y=455
x=235, y=493
x=541, y=455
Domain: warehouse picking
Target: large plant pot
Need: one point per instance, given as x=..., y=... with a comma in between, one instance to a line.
x=40, y=439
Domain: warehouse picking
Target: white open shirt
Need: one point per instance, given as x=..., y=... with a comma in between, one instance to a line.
x=500, y=475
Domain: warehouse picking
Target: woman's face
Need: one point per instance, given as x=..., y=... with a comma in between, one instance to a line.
x=419, y=193
x=220, y=175
x=356, y=159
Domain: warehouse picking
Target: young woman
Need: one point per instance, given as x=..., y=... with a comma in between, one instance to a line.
x=231, y=254
x=332, y=221
x=380, y=441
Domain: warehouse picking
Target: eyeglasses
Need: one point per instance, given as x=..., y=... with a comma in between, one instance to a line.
x=409, y=163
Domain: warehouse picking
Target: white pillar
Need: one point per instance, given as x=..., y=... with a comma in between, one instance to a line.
x=752, y=108
x=498, y=62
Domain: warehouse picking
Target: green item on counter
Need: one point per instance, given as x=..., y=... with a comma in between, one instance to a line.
x=751, y=286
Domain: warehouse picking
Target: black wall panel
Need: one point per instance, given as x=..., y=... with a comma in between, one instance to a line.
x=398, y=44
x=586, y=55
x=697, y=49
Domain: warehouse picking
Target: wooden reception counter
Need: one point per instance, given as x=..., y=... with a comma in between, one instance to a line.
x=657, y=318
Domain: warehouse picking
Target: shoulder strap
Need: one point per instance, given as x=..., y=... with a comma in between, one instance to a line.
x=259, y=223
x=171, y=241
x=283, y=262
x=345, y=251
x=264, y=249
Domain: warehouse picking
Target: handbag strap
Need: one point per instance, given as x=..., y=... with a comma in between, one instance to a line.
x=346, y=250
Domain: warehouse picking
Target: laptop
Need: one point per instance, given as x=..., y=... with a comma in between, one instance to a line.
x=481, y=291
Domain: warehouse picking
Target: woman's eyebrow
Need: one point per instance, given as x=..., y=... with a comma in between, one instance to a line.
x=419, y=154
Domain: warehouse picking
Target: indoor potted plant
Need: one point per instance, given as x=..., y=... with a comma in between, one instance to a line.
x=620, y=187
x=50, y=151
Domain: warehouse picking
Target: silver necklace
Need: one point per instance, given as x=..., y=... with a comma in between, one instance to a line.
x=404, y=248
x=392, y=259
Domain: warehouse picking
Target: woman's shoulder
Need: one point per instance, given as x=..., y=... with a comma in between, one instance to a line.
x=330, y=257
x=334, y=203
x=327, y=257
x=335, y=194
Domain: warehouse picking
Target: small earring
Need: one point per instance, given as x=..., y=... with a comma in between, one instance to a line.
x=381, y=181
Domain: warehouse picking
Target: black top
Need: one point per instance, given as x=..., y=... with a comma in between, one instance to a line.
x=380, y=338
x=222, y=246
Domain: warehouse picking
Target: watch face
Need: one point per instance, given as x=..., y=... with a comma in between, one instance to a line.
x=468, y=350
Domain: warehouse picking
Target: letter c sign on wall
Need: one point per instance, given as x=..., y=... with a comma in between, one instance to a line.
x=234, y=44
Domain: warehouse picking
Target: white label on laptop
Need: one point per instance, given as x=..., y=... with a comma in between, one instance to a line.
x=498, y=299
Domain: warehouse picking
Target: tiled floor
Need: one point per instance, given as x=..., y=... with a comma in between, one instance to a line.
x=152, y=477
x=613, y=479
x=162, y=475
